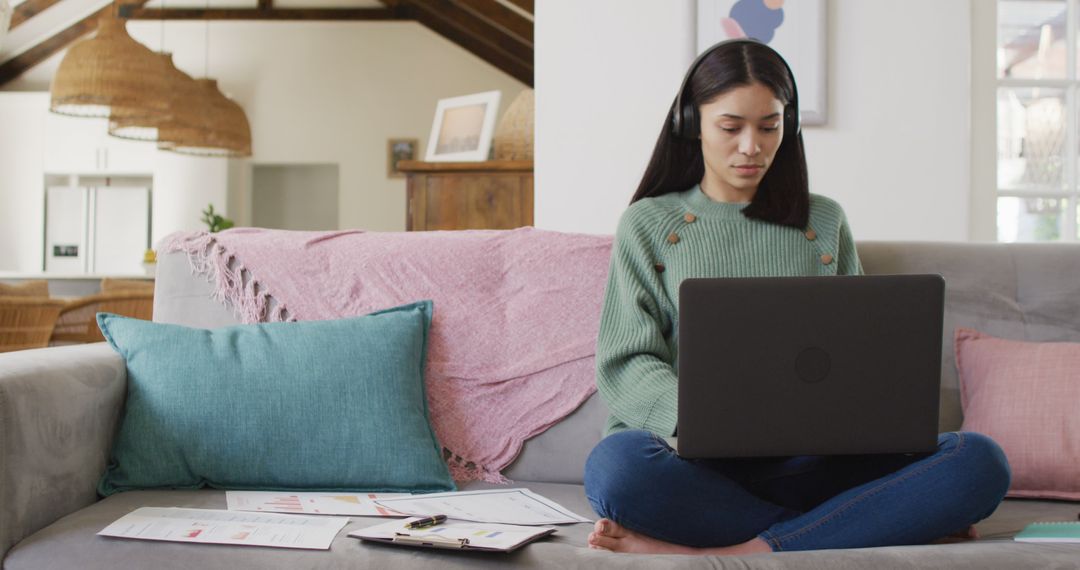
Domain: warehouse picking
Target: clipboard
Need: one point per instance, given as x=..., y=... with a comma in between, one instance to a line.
x=455, y=535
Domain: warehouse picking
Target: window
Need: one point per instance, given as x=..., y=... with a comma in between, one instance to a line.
x=1037, y=120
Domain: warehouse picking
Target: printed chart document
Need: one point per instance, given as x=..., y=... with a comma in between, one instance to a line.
x=456, y=535
x=506, y=506
x=227, y=527
x=358, y=504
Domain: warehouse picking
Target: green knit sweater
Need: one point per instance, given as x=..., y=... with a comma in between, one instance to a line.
x=661, y=241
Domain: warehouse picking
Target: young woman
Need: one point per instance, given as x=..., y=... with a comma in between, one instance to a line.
x=726, y=195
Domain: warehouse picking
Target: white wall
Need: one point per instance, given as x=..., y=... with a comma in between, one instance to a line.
x=295, y=197
x=894, y=152
x=22, y=193
x=181, y=193
x=983, y=206
x=323, y=92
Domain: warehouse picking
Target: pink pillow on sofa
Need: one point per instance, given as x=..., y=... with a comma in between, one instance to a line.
x=1026, y=396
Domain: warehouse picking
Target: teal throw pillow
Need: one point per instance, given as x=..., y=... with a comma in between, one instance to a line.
x=314, y=405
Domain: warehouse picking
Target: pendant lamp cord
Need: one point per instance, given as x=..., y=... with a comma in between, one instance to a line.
x=206, y=52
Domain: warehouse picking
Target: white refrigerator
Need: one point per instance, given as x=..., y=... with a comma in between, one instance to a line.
x=96, y=230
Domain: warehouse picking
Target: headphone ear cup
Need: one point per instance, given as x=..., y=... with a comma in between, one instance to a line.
x=791, y=119
x=691, y=125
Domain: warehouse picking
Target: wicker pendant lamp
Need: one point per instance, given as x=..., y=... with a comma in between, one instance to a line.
x=210, y=125
x=109, y=70
x=135, y=124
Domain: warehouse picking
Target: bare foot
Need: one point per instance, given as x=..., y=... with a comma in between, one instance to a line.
x=610, y=535
x=962, y=536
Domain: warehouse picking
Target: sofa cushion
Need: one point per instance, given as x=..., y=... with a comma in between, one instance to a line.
x=315, y=405
x=1026, y=396
x=1014, y=290
x=71, y=543
x=558, y=454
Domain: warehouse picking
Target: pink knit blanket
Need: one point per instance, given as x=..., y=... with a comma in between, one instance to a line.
x=513, y=335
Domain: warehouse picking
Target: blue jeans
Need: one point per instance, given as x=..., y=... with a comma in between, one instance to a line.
x=636, y=479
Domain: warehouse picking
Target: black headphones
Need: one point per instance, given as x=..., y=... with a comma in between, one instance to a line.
x=685, y=122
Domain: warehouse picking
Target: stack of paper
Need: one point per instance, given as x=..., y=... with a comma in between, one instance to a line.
x=493, y=519
x=227, y=527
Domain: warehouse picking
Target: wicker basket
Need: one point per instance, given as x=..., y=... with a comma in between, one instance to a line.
x=514, y=136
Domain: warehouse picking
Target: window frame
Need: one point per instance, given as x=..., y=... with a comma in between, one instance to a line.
x=1071, y=159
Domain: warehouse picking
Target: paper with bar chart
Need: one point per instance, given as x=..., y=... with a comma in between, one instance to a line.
x=357, y=504
x=506, y=506
x=214, y=526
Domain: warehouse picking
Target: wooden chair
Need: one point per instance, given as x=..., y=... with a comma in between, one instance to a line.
x=110, y=285
x=35, y=288
x=27, y=322
x=78, y=320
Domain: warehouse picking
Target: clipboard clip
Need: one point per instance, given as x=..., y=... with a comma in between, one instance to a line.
x=430, y=540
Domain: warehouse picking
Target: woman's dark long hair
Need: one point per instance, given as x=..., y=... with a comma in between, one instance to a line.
x=783, y=196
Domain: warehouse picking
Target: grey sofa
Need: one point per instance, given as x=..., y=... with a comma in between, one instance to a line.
x=59, y=408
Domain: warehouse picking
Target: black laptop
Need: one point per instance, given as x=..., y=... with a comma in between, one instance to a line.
x=836, y=365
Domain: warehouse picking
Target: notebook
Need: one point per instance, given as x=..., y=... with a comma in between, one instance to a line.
x=456, y=535
x=1050, y=532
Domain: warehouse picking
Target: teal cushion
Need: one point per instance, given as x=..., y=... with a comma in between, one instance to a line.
x=314, y=405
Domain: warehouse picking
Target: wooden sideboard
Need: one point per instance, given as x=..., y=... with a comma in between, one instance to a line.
x=491, y=195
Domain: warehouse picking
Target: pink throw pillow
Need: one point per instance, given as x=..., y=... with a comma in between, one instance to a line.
x=1026, y=396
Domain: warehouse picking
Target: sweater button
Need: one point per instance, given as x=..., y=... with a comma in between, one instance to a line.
x=811, y=235
x=690, y=218
x=673, y=238
x=826, y=259
x=659, y=267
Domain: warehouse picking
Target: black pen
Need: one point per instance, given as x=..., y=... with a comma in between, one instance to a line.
x=426, y=521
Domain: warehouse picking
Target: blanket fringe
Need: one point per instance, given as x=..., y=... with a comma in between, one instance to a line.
x=247, y=297
x=461, y=473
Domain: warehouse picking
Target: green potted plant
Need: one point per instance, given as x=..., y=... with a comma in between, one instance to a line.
x=215, y=221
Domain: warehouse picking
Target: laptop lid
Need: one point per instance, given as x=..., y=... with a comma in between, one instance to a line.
x=781, y=366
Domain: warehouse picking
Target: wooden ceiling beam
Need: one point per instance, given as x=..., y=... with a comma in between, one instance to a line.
x=15, y=66
x=27, y=10
x=260, y=13
x=455, y=13
x=500, y=16
x=493, y=44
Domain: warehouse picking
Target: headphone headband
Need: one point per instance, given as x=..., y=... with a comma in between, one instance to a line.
x=684, y=117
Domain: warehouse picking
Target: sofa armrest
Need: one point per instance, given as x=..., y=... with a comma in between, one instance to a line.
x=58, y=412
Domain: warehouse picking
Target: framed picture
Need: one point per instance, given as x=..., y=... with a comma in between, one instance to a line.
x=399, y=149
x=794, y=28
x=463, y=127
